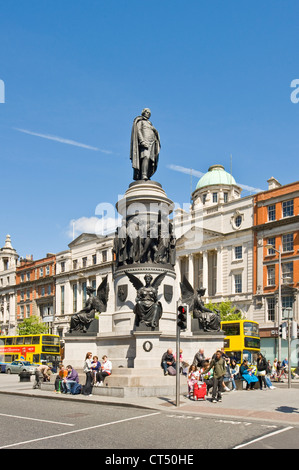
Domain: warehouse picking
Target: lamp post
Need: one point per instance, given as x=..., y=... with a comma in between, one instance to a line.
x=271, y=247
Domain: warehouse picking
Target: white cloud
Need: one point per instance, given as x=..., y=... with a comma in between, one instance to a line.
x=63, y=140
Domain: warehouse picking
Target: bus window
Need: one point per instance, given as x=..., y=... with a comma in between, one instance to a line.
x=27, y=339
x=35, y=340
x=35, y=358
x=250, y=356
x=50, y=340
x=8, y=341
x=20, y=340
x=234, y=355
x=231, y=329
x=251, y=329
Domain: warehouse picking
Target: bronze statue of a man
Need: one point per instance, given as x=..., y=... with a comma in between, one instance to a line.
x=145, y=147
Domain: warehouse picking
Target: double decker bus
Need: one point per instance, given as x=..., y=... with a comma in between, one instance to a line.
x=242, y=340
x=38, y=349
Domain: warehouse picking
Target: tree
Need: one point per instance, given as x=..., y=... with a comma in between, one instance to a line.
x=32, y=326
x=227, y=310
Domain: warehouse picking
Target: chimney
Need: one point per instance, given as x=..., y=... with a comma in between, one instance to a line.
x=273, y=183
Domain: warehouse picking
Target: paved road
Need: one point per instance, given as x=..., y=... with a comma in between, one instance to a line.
x=35, y=423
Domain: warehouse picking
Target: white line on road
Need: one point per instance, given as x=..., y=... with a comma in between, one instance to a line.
x=79, y=430
x=35, y=419
x=263, y=437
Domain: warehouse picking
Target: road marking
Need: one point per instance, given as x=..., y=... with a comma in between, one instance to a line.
x=35, y=419
x=263, y=437
x=79, y=430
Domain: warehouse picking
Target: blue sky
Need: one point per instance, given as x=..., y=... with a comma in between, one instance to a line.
x=216, y=76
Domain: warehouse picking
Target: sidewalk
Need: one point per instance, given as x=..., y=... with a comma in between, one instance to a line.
x=271, y=406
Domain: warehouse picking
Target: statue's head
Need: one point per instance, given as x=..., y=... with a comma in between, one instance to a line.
x=90, y=290
x=201, y=291
x=148, y=279
x=146, y=112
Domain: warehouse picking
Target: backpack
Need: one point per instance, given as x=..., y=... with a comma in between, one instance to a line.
x=76, y=389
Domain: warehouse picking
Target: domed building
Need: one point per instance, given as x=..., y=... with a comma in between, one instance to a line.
x=215, y=240
x=216, y=186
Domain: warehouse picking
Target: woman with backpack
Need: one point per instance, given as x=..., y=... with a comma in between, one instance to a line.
x=262, y=366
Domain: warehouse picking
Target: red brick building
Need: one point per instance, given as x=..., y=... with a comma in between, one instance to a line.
x=276, y=223
x=35, y=289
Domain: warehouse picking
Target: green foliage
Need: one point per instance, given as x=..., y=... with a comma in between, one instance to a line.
x=227, y=310
x=32, y=326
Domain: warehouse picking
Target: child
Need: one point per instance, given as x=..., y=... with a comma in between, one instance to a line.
x=193, y=377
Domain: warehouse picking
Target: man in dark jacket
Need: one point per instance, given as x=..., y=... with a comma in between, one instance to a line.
x=199, y=358
x=219, y=368
x=167, y=361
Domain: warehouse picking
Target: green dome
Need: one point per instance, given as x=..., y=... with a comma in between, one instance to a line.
x=216, y=176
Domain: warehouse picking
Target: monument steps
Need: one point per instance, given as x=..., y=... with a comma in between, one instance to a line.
x=129, y=382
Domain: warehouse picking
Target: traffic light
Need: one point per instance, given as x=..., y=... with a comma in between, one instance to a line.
x=283, y=330
x=182, y=317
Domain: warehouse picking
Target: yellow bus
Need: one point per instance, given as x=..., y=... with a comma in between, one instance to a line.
x=242, y=340
x=39, y=349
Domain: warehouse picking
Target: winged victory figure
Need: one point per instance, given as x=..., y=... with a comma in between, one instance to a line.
x=208, y=320
x=95, y=303
x=148, y=310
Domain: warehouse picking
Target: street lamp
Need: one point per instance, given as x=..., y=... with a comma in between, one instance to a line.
x=269, y=246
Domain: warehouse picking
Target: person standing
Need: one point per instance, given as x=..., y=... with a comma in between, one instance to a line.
x=219, y=368
x=88, y=371
x=262, y=370
x=106, y=370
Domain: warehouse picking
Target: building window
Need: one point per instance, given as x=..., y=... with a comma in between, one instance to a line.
x=28, y=276
x=62, y=300
x=271, y=309
x=287, y=272
x=212, y=272
x=225, y=197
x=104, y=256
x=288, y=208
x=238, y=283
x=49, y=289
x=62, y=266
x=22, y=311
x=271, y=275
x=27, y=311
x=238, y=252
x=47, y=270
x=75, y=295
x=75, y=264
x=94, y=284
x=215, y=197
x=42, y=291
x=271, y=213
x=22, y=295
x=204, y=198
x=84, y=262
x=94, y=259
x=28, y=294
x=198, y=271
x=41, y=272
x=288, y=242
x=238, y=221
x=286, y=302
x=22, y=277
x=83, y=294
x=271, y=241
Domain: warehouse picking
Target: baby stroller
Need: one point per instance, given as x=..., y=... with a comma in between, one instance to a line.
x=199, y=391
